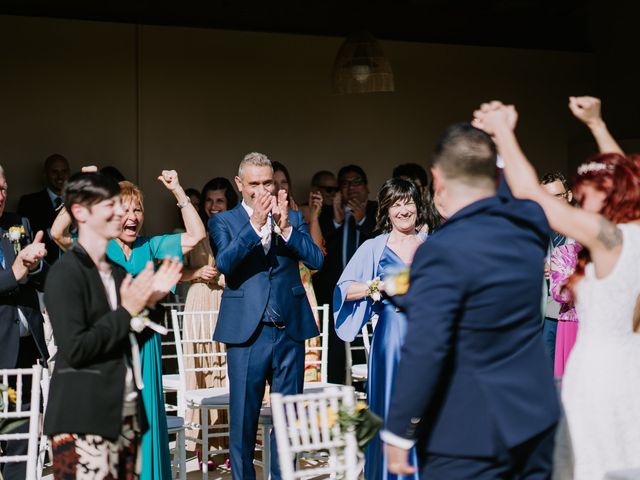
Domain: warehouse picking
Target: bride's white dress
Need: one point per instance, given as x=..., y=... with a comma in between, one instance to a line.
x=601, y=386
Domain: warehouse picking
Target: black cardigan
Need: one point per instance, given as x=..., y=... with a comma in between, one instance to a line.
x=87, y=386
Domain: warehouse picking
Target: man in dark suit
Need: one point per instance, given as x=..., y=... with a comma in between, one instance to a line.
x=41, y=207
x=345, y=226
x=473, y=386
x=265, y=316
x=22, y=340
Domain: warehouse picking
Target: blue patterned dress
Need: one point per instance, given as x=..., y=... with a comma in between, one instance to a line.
x=156, y=462
x=384, y=357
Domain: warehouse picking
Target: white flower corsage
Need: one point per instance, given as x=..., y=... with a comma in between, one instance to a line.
x=374, y=289
x=142, y=321
x=15, y=235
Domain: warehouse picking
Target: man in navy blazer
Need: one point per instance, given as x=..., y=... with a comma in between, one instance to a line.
x=265, y=316
x=474, y=387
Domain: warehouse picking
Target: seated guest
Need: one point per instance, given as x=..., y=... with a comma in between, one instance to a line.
x=94, y=411
x=345, y=227
x=40, y=207
x=22, y=341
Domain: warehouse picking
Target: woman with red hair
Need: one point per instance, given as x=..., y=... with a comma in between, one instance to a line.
x=601, y=385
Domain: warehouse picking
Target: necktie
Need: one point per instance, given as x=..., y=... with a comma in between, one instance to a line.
x=352, y=237
x=57, y=202
x=1, y=256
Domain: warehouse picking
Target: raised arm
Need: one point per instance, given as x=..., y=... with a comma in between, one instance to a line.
x=588, y=111
x=595, y=232
x=192, y=222
x=61, y=230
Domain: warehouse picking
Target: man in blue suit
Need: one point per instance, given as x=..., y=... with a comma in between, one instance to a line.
x=473, y=386
x=265, y=316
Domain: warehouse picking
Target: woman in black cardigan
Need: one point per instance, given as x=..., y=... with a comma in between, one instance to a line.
x=94, y=414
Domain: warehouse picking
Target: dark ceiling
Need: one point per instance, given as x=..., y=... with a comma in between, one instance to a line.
x=539, y=24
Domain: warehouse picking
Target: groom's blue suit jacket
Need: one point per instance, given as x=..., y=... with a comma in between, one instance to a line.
x=474, y=377
x=251, y=276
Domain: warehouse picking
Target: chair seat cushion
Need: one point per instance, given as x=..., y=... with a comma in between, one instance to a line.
x=212, y=397
x=174, y=423
x=171, y=382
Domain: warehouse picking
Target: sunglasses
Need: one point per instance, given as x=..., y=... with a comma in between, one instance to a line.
x=330, y=189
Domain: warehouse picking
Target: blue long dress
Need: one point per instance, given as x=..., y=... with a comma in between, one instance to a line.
x=156, y=462
x=384, y=357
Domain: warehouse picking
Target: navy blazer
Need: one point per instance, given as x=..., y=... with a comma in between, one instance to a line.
x=251, y=275
x=14, y=294
x=474, y=376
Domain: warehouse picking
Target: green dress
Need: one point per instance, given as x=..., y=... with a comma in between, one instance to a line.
x=156, y=462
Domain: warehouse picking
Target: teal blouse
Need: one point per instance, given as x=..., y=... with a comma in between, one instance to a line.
x=146, y=249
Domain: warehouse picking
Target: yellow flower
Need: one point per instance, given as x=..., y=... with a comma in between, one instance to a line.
x=361, y=406
x=13, y=395
x=332, y=417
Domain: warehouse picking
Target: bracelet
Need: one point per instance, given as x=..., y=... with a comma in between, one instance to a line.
x=184, y=204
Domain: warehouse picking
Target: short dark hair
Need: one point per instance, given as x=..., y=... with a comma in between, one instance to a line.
x=352, y=169
x=88, y=189
x=394, y=190
x=467, y=154
x=54, y=158
x=555, y=177
x=315, y=180
x=412, y=171
x=113, y=172
x=219, y=183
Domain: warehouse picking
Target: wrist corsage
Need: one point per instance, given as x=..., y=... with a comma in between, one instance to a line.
x=15, y=235
x=374, y=289
x=142, y=321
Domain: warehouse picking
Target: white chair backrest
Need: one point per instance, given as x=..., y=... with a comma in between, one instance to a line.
x=193, y=332
x=322, y=349
x=168, y=343
x=308, y=423
x=9, y=411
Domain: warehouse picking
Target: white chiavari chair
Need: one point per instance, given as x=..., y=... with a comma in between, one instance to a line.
x=198, y=354
x=171, y=379
x=308, y=423
x=11, y=411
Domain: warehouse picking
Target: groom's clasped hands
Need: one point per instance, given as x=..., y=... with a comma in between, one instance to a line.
x=276, y=205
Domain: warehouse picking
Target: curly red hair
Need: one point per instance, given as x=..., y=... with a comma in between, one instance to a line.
x=617, y=176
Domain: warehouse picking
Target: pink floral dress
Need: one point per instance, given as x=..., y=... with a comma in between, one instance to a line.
x=563, y=263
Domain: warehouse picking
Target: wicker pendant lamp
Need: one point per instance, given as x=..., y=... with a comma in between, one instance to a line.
x=361, y=66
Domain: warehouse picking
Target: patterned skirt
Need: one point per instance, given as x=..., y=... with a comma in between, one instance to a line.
x=91, y=457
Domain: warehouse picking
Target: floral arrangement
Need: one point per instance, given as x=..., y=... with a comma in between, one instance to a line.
x=365, y=423
x=9, y=424
x=397, y=284
x=374, y=289
x=16, y=234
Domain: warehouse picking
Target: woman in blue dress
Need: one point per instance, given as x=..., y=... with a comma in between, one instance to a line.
x=132, y=252
x=401, y=213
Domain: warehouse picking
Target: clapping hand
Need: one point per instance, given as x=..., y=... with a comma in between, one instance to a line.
x=206, y=273
x=586, y=109
x=29, y=257
x=134, y=293
x=358, y=209
x=262, y=205
x=280, y=212
x=338, y=208
x=170, y=179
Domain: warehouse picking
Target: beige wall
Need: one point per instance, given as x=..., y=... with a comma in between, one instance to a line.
x=147, y=98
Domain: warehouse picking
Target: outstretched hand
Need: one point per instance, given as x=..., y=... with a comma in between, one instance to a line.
x=586, y=109
x=169, y=178
x=492, y=116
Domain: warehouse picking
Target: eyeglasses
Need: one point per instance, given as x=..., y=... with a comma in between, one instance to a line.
x=561, y=195
x=328, y=189
x=356, y=182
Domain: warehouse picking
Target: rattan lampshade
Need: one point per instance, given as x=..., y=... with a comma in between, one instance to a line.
x=361, y=66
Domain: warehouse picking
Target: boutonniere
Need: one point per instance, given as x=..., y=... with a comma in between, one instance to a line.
x=374, y=289
x=15, y=235
x=277, y=231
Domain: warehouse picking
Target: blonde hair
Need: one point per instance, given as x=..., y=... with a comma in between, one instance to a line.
x=255, y=159
x=130, y=192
